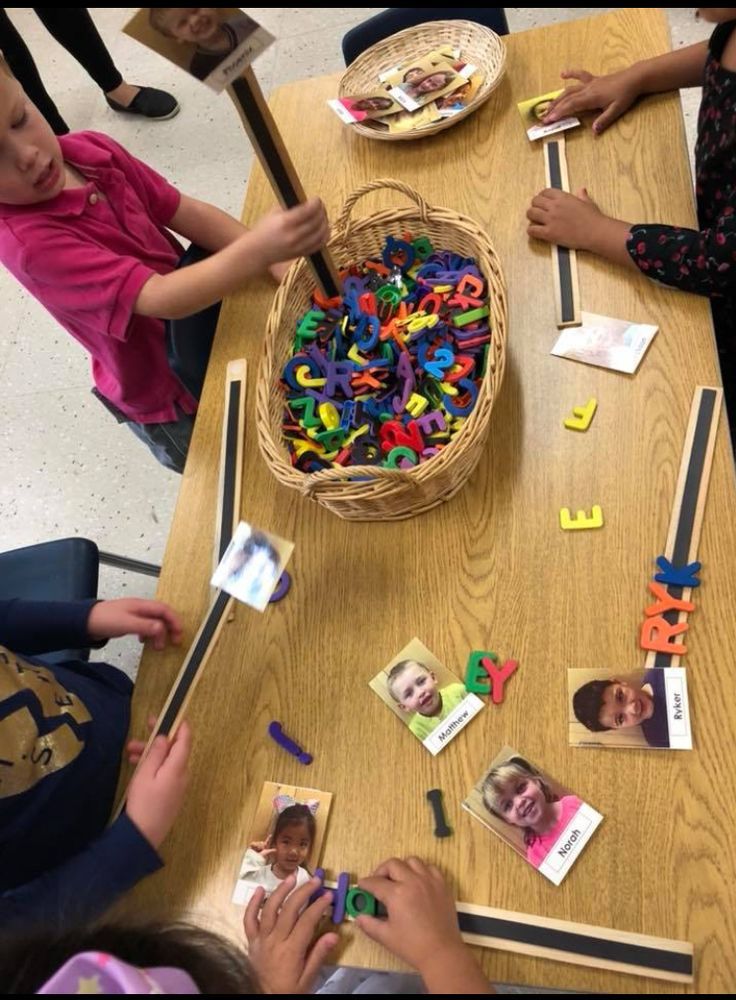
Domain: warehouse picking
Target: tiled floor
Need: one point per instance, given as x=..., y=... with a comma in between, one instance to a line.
x=67, y=467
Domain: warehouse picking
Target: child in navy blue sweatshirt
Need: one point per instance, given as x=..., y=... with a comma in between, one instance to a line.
x=63, y=729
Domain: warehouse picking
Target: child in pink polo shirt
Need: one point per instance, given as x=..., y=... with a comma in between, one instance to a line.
x=84, y=227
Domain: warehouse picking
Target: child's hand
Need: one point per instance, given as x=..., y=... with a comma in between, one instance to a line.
x=280, y=944
x=421, y=927
x=262, y=847
x=294, y=232
x=134, y=616
x=565, y=219
x=613, y=94
x=134, y=748
x=157, y=788
x=422, y=919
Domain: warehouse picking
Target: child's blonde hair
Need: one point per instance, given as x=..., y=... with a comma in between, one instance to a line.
x=500, y=777
x=397, y=670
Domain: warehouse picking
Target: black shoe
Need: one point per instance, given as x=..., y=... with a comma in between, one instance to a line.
x=149, y=103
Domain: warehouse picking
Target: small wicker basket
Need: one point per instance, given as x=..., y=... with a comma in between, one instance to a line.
x=374, y=493
x=477, y=44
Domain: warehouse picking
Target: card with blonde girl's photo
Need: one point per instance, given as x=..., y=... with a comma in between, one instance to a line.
x=539, y=818
x=286, y=838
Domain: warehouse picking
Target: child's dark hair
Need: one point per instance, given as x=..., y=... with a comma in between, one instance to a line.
x=587, y=702
x=215, y=964
x=293, y=815
x=257, y=542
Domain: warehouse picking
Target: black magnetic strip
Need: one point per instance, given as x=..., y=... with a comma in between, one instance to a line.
x=570, y=942
x=186, y=680
x=280, y=175
x=567, y=305
x=686, y=522
x=228, y=479
x=553, y=158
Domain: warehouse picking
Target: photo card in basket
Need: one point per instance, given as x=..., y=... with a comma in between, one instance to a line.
x=461, y=43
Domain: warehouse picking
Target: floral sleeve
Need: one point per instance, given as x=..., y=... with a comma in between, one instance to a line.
x=703, y=262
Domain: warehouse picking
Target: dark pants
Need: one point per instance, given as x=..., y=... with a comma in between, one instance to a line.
x=73, y=28
x=188, y=345
x=169, y=442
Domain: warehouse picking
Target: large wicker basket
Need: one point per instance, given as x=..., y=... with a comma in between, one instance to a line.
x=478, y=45
x=374, y=493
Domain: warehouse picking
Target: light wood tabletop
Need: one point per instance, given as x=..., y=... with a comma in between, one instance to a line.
x=491, y=569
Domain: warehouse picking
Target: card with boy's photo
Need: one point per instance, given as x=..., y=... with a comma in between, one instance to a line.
x=252, y=565
x=428, y=698
x=423, y=81
x=644, y=709
x=214, y=44
x=285, y=838
x=365, y=106
x=532, y=113
x=539, y=818
x=606, y=342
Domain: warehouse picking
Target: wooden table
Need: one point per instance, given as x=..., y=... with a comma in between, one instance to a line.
x=490, y=569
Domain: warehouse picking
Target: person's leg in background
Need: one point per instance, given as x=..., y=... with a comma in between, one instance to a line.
x=23, y=68
x=74, y=29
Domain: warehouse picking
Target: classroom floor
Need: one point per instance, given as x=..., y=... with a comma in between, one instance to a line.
x=68, y=468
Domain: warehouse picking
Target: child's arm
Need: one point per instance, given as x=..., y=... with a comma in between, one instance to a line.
x=279, y=236
x=575, y=221
x=614, y=93
x=44, y=626
x=698, y=261
x=151, y=620
x=30, y=627
x=421, y=927
x=84, y=887
x=204, y=224
x=212, y=229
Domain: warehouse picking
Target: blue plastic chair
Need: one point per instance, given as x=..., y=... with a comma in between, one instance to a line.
x=63, y=570
x=394, y=19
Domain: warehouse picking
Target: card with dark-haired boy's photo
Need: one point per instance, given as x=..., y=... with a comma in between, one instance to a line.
x=214, y=44
x=427, y=697
x=542, y=820
x=285, y=838
x=252, y=565
x=643, y=709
